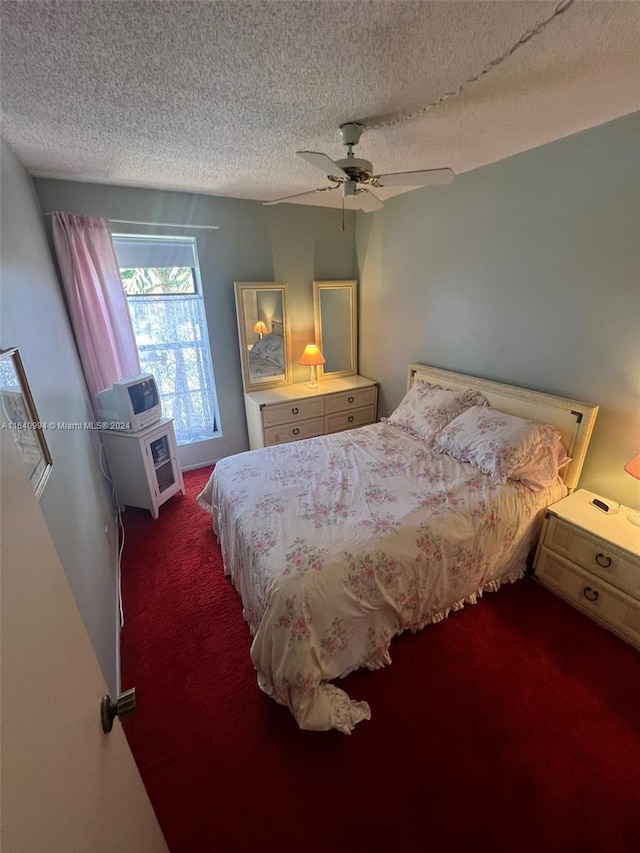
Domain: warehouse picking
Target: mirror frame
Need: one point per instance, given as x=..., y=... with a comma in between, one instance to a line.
x=241, y=287
x=352, y=286
x=18, y=416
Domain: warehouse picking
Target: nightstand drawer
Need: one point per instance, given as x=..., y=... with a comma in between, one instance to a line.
x=293, y=432
x=289, y=413
x=350, y=400
x=594, y=555
x=609, y=606
x=349, y=420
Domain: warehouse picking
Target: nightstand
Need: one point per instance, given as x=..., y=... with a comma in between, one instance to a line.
x=144, y=465
x=592, y=560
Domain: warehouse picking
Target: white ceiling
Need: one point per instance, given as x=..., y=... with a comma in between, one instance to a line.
x=216, y=97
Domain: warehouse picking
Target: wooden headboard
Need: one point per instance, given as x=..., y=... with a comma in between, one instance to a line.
x=573, y=420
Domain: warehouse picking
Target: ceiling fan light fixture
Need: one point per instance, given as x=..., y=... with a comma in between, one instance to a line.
x=349, y=188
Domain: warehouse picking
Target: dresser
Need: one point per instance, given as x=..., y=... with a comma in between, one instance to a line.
x=297, y=411
x=592, y=560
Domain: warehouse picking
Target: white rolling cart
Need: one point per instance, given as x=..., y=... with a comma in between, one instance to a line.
x=144, y=465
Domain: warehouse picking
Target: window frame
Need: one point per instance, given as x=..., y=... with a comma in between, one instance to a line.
x=198, y=293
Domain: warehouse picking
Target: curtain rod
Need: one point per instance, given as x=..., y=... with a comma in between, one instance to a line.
x=162, y=224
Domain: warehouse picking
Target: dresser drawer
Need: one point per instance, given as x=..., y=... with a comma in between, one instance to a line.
x=349, y=420
x=350, y=400
x=289, y=413
x=598, y=599
x=292, y=432
x=594, y=555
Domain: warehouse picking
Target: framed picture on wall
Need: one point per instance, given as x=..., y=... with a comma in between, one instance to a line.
x=18, y=416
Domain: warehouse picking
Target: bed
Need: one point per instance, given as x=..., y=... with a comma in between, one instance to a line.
x=266, y=356
x=336, y=544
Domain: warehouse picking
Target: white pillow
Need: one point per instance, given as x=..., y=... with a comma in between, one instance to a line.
x=425, y=409
x=504, y=446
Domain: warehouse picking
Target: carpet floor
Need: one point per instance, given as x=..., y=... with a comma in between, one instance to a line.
x=514, y=725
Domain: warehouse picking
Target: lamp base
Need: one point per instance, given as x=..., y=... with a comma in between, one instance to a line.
x=313, y=379
x=634, y=518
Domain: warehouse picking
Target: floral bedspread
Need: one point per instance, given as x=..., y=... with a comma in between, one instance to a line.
x=338, y=543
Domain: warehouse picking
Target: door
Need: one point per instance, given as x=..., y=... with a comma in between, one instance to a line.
x=65, y=784
x=163, y=464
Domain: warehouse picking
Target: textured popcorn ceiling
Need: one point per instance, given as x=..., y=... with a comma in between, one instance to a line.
x=216, y=97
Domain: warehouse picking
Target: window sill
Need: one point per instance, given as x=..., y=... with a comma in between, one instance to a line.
x=198, y=439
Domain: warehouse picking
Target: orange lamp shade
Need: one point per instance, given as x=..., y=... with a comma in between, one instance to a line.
x=633, y=467
x=260, y=328
x=312, y=355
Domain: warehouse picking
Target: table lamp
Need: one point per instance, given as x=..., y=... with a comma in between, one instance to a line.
x=312, y=356
x=633, y=468
x=260, y=328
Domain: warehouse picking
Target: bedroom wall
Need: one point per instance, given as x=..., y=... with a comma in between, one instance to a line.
x=76, y=501
x=526, y=272
x=291, y=243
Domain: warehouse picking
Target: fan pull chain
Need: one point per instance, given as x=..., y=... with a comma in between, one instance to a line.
x=342, y=225
x=560, y=9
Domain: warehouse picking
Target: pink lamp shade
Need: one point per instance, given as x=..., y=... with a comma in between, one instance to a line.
x=633, y=467
x=312, y=356
x=260, y=328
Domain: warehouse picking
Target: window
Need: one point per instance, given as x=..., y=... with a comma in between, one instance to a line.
x=161, y=278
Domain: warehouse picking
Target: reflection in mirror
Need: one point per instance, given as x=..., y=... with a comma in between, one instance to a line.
x=336, y=326
x=263, y=331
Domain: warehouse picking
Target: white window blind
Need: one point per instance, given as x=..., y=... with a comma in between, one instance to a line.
x=146, y=252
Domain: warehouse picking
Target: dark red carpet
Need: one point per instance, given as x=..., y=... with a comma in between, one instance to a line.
x=512, y=726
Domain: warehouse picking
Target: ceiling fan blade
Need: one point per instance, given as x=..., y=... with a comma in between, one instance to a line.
x=425, y=178
x=322, y=162
x=298, y=195
x=368, y=201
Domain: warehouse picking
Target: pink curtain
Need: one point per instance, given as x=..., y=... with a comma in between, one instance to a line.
x=96, y=300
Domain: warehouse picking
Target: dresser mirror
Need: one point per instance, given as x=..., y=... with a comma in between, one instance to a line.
x=336, y=330
x=264, y=335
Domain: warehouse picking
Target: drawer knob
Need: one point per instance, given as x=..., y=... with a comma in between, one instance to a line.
x=296, y=431
x=295, y=410
x=603, y=561
x=350, y=399
x=351, y=419
x=590, y=594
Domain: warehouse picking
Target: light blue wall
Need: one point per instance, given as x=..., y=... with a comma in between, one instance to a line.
x=525, y=271
x=76, y=501
x=291, y=243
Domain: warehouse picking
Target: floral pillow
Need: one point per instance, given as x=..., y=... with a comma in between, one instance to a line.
x=504, y=446
x=426, y=409
x=543, y=467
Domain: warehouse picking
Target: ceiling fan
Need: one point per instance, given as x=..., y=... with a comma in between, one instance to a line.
x=356, y=178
